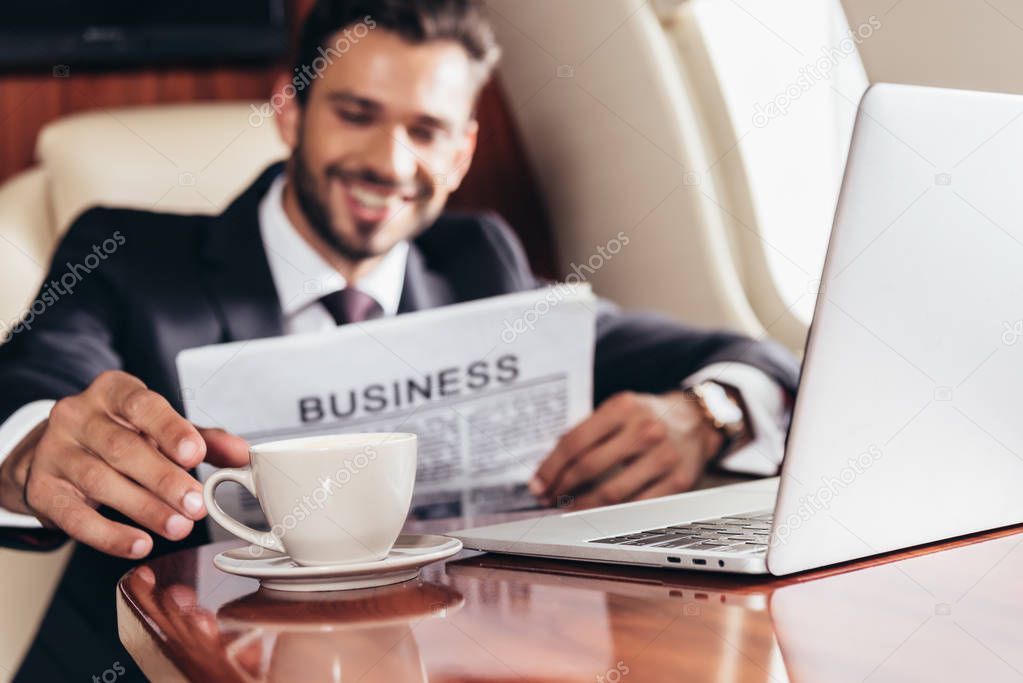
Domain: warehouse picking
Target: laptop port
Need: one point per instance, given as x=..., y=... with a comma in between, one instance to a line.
x=699, y=561
x=674, y=559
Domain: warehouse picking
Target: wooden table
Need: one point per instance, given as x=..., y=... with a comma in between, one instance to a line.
x=947, y=613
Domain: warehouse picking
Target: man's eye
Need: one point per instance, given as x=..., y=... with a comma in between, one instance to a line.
x=355, y=117
x=422, y=134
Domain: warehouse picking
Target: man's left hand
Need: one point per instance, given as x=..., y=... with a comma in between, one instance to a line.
x=634, y=446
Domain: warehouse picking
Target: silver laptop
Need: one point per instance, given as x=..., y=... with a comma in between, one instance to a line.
x=908, y=427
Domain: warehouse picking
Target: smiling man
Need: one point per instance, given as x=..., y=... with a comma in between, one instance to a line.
x=380, y=141
x=93, y=443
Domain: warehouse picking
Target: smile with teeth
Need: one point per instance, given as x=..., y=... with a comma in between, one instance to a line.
x=373, y=200
x=372, y=206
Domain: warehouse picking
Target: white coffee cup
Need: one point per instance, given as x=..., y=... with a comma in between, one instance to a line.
x=332, y=499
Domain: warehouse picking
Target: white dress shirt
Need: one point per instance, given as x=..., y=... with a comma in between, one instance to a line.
x=301, y=277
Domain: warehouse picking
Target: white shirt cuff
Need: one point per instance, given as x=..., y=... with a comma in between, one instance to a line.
x=12, y=431
x=767, y=412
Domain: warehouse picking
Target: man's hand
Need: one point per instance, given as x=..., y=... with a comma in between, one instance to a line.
x=121, y=445
x=634, y=446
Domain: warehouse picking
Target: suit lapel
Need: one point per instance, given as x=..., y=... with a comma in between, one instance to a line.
x=236, y=269
x=423, y=287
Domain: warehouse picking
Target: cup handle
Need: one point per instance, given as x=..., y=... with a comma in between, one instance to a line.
x=241, y=476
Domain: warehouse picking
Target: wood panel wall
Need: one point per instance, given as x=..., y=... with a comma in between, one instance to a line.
x=500, y=179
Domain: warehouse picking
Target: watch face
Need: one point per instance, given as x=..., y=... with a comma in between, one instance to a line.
x=721, y=406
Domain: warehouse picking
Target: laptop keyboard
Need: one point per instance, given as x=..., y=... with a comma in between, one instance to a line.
x=740, y=534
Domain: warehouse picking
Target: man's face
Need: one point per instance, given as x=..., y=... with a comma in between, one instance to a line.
x=386, y=134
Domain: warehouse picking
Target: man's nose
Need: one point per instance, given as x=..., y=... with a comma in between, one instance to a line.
x=390, y=156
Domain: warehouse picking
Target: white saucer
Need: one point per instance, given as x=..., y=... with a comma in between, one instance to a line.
x=278, y=571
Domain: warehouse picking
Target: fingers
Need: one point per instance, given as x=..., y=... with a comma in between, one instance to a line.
x=134, y=455
x=608, y=418
x=101, y=483
x=637, y=475
x=224, y=449
x=120, y=445
x=126, y=397
x=665, y=486
x=63, y=506
x=635, y=438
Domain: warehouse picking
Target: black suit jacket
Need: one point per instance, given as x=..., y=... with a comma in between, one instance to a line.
x=177, y=282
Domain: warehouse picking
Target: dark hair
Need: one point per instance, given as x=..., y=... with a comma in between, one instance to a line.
x=417, y=21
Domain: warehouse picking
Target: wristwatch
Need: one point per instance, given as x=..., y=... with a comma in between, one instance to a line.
x=721, y=409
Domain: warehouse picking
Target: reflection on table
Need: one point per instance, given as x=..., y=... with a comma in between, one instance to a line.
x=928, y=616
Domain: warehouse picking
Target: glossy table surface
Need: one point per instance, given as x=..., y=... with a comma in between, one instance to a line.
x=952, y=612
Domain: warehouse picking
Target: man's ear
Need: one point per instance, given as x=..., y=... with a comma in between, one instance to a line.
x=288, y=110
x=463, y=156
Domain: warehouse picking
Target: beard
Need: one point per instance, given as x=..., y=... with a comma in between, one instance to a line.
x=316, y=213
x=315, y=208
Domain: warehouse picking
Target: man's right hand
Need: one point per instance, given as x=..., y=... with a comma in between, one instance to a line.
x=121, y=445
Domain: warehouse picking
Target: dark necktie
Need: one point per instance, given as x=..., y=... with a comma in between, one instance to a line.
x=349, y=305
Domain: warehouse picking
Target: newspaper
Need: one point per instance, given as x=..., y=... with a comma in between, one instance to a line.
x=487, y=385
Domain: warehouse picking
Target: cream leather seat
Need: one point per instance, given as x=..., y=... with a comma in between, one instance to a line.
x=181, y=159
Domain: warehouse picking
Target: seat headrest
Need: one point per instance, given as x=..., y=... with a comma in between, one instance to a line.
x=192, y=158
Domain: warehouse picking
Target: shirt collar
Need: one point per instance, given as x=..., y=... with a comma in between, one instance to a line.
x=301, y=276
